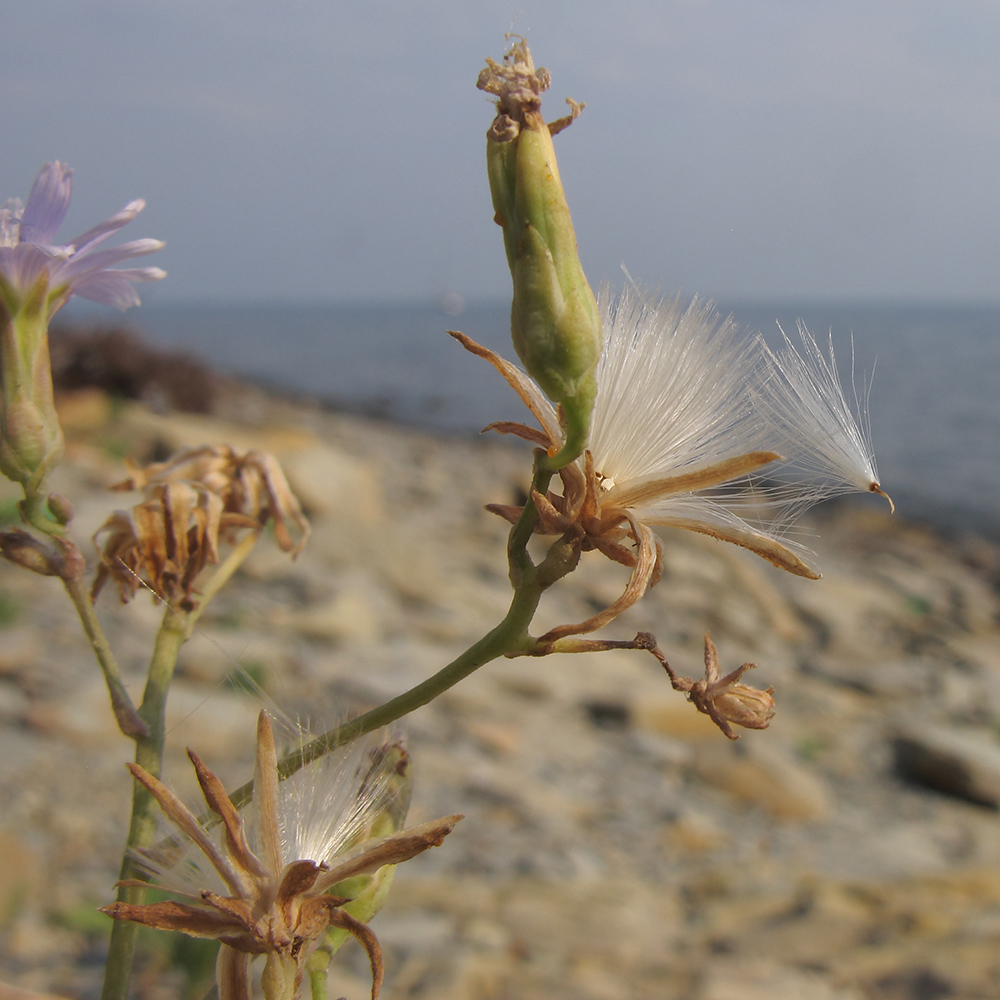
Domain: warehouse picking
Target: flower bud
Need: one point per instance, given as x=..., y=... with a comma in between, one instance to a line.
x=555, y=323
x=25, y=550
x=60, y=508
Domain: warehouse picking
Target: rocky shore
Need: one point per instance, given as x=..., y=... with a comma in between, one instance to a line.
x=616, y=846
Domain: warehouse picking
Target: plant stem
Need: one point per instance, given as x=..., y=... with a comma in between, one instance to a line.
x=129, y=720
x=149, y=753
x=317, y=968
x=509, y=638
x=174, y=631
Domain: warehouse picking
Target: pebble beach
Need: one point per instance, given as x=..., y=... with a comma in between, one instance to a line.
x=615, y=845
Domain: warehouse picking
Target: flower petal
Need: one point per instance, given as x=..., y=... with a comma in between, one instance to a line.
x=521, y=383
x=81, y=264
x=638, y=584
x=391, y=850
x=47, y=204
x=93, y=237
x=114, y=288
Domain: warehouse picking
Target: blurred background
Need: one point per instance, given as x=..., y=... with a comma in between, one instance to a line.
x=317, y=171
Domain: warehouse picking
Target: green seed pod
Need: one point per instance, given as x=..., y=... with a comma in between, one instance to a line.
x=555, y=323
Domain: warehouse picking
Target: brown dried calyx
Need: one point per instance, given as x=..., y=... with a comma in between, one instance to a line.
x=726, y=699
x=516, y=84
x=518, y=87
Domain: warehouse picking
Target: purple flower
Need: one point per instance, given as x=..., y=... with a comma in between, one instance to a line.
x=29, y=253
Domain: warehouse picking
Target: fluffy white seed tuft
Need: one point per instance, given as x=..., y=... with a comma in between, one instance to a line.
x=672, y=389
x=820, y=435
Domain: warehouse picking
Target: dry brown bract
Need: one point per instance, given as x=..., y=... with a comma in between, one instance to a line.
x=195, y=500
x=275, y=906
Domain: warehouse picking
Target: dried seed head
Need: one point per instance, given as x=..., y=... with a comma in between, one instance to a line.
x=250, y=483
x=195, y=501
x=724, y=700
x=271, y=884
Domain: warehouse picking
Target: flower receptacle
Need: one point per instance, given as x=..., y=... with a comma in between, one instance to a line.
x=31, y=438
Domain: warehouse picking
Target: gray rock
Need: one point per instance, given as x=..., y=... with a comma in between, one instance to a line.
x=957, y=762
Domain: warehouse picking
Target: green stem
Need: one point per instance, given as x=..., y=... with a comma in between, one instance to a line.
x=129, y=720
x=317, y=968
x=174, y=631
x=509, y=638
x=518, y=560
x=149, y=753
x=34, y=509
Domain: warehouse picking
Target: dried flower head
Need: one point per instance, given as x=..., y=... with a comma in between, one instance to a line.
x=262, y=884
x=726, y=699
x=679, y=427
x=195, y=500
x=249, y=482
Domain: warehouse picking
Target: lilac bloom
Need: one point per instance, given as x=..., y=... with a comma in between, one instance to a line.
x=29, y=251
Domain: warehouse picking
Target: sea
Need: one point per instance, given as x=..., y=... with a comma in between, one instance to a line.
x=933, y=370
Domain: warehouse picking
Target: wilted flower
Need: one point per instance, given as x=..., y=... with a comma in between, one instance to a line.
x=685, y=413
x=262, y=884
x=194, y=500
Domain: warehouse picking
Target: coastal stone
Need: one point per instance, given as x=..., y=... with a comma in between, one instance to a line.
x=218, y=724
x=593, y=863
x=764, y=776
x=958, y=762
x=217, y=655
x=671, y=714
x=766, y=979
x=349, y=616
x=20, y=649
x=19, y=877
x=695, y=832
x=849, y=610
x=981, y=651
x=84, y=410
x=83, y=718
x=329, y=482
x=14, y=703
x=889, y=677
x=504, y=739
x=175, y=430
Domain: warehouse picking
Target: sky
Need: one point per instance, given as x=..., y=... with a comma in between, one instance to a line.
x=314, y=150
